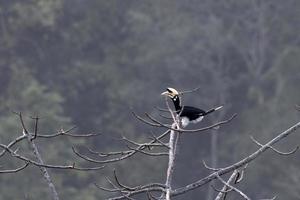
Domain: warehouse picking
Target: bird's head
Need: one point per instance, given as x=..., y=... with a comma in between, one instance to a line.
x=171, y=92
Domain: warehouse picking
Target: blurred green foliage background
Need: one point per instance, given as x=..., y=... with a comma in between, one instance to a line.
x=88, y=63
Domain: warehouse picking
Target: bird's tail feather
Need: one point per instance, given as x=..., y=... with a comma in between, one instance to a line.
x=212, y=110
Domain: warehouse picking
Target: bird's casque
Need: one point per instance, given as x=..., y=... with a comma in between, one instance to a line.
x=187, y=114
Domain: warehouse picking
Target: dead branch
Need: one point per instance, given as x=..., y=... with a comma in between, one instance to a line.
x=222, y=191
x=232, y=179
x=234, y=188
x=148, y=153
x=14, y=170
x=12, y=143
x=158, y=140
x=38, y=164
x=158, y=123
x=274, y=149
x=146, y=121
x=236, y=165
x=36, y=120
x=127, y=191
x=171, y=164
x=123, y=154
x=66, y=133
x=189, y=91
x=30, y=139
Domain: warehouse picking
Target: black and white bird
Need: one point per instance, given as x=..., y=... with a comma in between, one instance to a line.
x=187, y=114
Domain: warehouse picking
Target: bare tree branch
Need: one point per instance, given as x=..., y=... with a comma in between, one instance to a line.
x=171, y=163
x=124, y=154
x=234, y=188
x=66, y=133
x=189, y=91
x=30, y=139
x=232, y=179
x=149, y=189
x=222, y=191
x=38, y=164
x=36, y=120
x=159, y=124
x=148, y=153
x=127, y=192
x=14, y=170
x=12, y=143
x=236, y=165
x=145, y=121
x=210, y=168
x=276, y=150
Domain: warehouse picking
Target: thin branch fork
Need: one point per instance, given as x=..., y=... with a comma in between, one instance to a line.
x=39, y=163
x=25, y=131
x=108, y=154
x=28, y=135
x=146, y=190
x=189, y=91
x=12, y=143
x=236, y=165
x=140, y=147
x=222, y=191
x=29, y=161
x=127, y=191
x=60, y=133
x=124, y=154
x=160, y=142
x=234, y=188
x=14, y=170
x=148, y=153
x=35, y=151
x=274, y=149
x=157, y=123
x=63, y=132
x=154, y=143
x=235, y=177
x=210, y=168
x=151, y=197
x=167, y=187
x=36, y=135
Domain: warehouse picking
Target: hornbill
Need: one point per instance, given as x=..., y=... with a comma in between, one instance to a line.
x=187, y=114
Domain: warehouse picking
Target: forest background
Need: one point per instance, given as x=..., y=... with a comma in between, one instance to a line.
x=89, y=63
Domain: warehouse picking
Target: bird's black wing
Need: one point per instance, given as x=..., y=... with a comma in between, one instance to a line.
x=191, y=112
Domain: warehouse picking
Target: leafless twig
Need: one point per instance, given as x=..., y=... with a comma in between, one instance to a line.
x=210, y=168
x=276, y=150
x=189, y=91
x=123, y=154
x=234, y=178
x=158, y=123
x=14, y=170
x=234, y=188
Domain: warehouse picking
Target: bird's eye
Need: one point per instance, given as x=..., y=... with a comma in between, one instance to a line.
x=169, y=90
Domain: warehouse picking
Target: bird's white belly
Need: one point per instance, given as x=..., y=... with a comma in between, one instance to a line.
x=197, y=120
x=185, y=121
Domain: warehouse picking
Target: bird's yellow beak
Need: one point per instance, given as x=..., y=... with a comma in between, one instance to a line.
x=165, y=93
x=171, y=92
